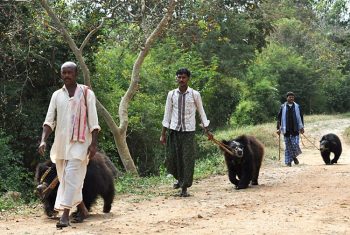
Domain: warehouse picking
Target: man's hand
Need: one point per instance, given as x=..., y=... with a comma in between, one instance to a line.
x=302, y=130
x=278, y=132
x=92, y=151
x=42, y=148
x=162, y=139
x=46, y=132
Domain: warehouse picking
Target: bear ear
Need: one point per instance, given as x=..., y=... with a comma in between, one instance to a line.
x=226, y=145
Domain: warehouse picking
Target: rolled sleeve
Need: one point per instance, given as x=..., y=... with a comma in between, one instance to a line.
x=92, y=112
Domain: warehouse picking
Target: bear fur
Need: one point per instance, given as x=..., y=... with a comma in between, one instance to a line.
x=330, y=143
x=99, y=181
x=244, y=165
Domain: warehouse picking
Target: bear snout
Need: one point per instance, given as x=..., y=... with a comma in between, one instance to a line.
x=323, y=147
x=41, y=188
x=239, y=152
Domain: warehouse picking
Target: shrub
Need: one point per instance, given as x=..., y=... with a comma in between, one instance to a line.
x=13, y=175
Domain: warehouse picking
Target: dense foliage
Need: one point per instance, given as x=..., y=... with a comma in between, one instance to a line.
x=13, y=175
x=244, y=55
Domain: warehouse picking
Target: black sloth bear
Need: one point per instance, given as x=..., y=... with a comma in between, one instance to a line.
x=244, y=165
x=330, y=143
x=99, y=180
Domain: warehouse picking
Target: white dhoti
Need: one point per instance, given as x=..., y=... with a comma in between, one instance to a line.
x=71, y=175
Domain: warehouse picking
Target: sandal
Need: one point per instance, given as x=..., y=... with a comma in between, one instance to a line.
x=78, y=218
x=61, y=224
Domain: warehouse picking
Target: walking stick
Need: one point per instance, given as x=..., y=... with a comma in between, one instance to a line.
x=279, y=146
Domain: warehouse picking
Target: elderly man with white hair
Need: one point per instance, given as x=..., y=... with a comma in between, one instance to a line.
x=72, y=111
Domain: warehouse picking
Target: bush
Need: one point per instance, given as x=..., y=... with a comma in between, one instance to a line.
x=245, y=114
x=13, y=175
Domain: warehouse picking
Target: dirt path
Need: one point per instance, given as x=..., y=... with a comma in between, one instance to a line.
x=310, y=198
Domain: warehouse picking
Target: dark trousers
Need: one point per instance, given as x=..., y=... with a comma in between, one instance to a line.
x=181, y=153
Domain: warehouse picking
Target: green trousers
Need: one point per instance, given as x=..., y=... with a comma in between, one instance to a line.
x=181, y=155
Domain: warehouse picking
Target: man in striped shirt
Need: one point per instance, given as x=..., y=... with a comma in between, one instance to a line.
x=179, y=117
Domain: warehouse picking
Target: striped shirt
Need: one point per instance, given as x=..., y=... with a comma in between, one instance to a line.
x=180, y=110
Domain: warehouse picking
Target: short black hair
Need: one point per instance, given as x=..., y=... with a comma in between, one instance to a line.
x=183, y=71
x=290, y=93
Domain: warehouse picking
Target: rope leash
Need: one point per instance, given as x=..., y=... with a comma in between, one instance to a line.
x=309, y=141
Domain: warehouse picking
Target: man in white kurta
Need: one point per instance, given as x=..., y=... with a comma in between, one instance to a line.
x=72, y=114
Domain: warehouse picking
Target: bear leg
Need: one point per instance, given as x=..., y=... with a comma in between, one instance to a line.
x=49, y=204
x=232, y=177
x=326, y=158
x=49, y=211
x=246, y=173
x=255, y=176
x=108, y=199
x=244, y=181
x=241, y=186
x=89, y=197
x=335, y=159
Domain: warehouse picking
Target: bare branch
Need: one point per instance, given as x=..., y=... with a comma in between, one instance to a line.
x=135, y=77
x=54, y=28
x=61, y=28
x=143, y=7
x=92, y=32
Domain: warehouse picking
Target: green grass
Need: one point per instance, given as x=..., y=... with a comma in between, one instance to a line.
x=346, y=135
x=324, y=117
x=130, y=184
x=9, y=205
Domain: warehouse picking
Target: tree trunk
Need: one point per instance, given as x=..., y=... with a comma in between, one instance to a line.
x=119, y=139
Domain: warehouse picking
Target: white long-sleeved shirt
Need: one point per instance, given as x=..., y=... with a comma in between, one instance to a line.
x=180, y=110
x=59, y=116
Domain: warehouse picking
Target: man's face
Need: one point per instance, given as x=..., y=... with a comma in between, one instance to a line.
x=69, y=75
x=182, y=80
x=290, y=99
